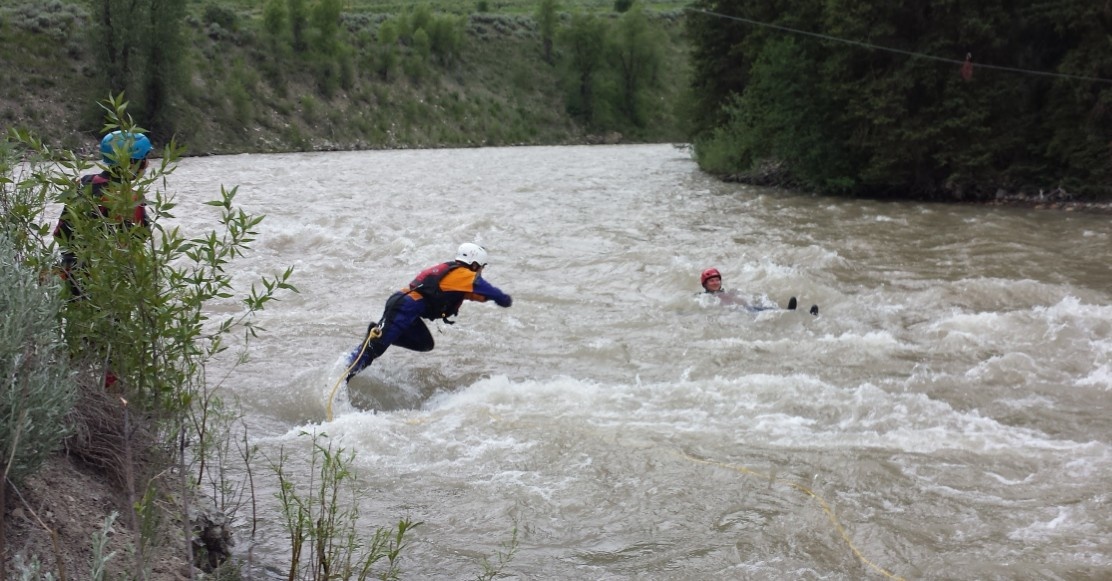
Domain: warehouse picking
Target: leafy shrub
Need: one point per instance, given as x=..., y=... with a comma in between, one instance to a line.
x=242, y=104
x=309, y=106
x=53, y=17
x=221, y=16
x=36, y=391
x=216, y=32
x=322, y=519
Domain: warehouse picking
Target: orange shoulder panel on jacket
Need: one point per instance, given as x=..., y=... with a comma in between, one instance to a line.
x=461, y=279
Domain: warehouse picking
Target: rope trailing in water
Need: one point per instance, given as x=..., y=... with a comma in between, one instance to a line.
x=372, y=334
x=822, y=502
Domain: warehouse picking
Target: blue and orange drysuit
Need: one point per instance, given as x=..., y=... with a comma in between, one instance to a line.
x=436, y=293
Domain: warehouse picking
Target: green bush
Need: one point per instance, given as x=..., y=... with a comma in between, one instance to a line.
x=142, y=316
x=221, y=16
x=322, y=519
x=145, y=292
x=276, y=22
x=243, y=105
x=309, y=106
x=53, y=17
x=37, y=390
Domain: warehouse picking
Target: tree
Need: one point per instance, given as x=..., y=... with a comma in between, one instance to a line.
x=636, y=47
x=1074, y=115
x=851, y=97
x=585, y=42
x=446, y=35
x=420, y=18
x=388, y=33
x=164, y=77
x=276, y=23
x=143, y=313
x=298, y=14
x=546, y=25
x=325, y=19
x=141, y=50
x=422, y=45
x=719, y=62
x=116, y=33
x=331, y=55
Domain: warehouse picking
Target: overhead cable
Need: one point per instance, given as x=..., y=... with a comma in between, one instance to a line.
x=900, y=51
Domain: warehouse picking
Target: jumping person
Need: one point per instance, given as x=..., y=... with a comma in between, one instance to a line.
x=105, y=198
x=436, y=293
x=711, y=280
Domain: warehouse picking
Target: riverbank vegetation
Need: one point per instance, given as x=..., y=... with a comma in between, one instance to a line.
x=289, y=75
x=108, y=362
x=875, y=102
x=908, y=100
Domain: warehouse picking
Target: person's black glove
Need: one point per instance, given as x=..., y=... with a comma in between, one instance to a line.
x=505, y=302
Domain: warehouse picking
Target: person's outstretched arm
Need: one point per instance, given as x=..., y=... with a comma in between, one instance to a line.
x=483, y=290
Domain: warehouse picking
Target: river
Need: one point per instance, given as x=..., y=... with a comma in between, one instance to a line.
x=947, y=415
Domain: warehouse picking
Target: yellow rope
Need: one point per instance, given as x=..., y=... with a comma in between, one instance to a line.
x=373, y=334
x=822, y=502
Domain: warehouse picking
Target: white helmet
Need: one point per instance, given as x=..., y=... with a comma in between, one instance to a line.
x=470, y=253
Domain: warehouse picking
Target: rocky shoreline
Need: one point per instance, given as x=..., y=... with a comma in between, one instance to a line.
x=774, y=175
x=1056, y=200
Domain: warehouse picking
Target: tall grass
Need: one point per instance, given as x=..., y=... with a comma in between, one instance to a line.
x=321, y=516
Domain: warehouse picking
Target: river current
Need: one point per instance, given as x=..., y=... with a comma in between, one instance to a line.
x=948, y=415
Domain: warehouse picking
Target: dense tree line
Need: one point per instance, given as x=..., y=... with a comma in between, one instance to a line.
x=875, y=99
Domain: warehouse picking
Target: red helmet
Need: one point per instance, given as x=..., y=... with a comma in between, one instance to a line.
x=709, y=274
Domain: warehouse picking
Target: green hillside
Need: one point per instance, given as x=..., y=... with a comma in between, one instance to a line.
x=240, y=83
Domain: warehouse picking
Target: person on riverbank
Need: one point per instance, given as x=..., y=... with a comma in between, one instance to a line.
x=711, y=280
x=103, y=199
x=436, y=293
x=103, y=208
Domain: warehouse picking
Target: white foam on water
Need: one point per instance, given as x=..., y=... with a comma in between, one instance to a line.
x=954, y=386
x=796, y=412
x=1066, y=521
x=1101, y=378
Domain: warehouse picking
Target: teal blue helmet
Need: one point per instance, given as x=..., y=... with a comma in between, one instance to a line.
x=136, y=144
